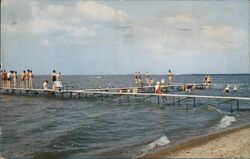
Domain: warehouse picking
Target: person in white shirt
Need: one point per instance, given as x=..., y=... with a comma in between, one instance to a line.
x=227, y=89
x=9, y=78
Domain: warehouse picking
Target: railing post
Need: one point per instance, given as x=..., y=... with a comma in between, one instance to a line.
x=194, y=102
x=231, y=106
x=237, y=102
x=158, y=99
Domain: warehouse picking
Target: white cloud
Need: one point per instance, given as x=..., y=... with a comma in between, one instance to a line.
x=67, y=21
x=184, y=34
x=98, y=11
x=55, y=11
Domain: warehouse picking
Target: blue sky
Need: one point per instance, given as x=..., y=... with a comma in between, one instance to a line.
x=121, y=37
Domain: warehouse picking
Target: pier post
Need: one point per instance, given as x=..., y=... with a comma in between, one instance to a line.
x=173, y=101
x=237, y=102
x=158, y=99
x=128, y=98
x=79, y=95
x=231, y=106
x=62, y=95
x=70, y=94
x=101, y=97
x=187, y=103
x=194, y=102
x=119, y=99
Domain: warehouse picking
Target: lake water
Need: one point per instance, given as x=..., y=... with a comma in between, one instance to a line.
x=46, y=127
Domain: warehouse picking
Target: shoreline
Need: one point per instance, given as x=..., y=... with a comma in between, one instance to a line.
x=229, y=143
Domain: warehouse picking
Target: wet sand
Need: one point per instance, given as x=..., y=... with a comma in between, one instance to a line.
x=233, y=143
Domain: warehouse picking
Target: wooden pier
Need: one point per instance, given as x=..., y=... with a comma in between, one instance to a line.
x=170, y=92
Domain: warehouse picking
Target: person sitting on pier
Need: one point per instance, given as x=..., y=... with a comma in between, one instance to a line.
x=170, y=77
x=45, y=84
x=123, y=89
x=235, y=89
x=227, y=89
x=163, y=83
x=158, y=88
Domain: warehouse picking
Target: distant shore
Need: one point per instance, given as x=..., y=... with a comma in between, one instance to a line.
x=232, y=143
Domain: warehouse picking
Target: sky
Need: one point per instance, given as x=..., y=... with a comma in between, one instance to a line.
x=125, y=36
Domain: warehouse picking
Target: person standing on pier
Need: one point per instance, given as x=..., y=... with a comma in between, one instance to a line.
x=136, y=78
x=9, y=78
x=170, y=77
x=14, y=74
x=31, y=76
x=26, y=79
x=22, y=79
x=53, y=78
x=4, y=78
x=147, y=78
x=58, y=76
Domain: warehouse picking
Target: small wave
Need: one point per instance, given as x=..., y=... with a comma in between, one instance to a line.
x=163, y=140
x=226, y=121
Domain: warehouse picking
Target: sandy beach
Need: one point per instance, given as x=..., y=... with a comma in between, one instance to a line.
x=233, y=143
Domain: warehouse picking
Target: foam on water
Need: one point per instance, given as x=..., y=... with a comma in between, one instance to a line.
x=163, y=140
x=226, y=121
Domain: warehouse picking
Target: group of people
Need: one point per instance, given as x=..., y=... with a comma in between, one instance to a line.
x=55, y=77
x=25, y=79
x=207, y=80
x=163, y=83
x=149, y=81
x=11, y=78
x=228, y=89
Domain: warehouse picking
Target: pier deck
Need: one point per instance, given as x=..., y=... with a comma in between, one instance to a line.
x=118, y=91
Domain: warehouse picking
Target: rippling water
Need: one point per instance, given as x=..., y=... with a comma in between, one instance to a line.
x=45, y=127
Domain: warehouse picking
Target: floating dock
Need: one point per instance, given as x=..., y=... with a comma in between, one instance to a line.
x=170, y=93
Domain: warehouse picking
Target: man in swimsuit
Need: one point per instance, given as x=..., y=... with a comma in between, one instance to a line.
x=4, y=78
x=14, y=78
x=53, y=77
x=170, y=77
x=22, y=78
x=30, y=79
x=9, y=78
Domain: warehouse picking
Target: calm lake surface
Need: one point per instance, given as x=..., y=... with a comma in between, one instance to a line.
x=47, y=127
